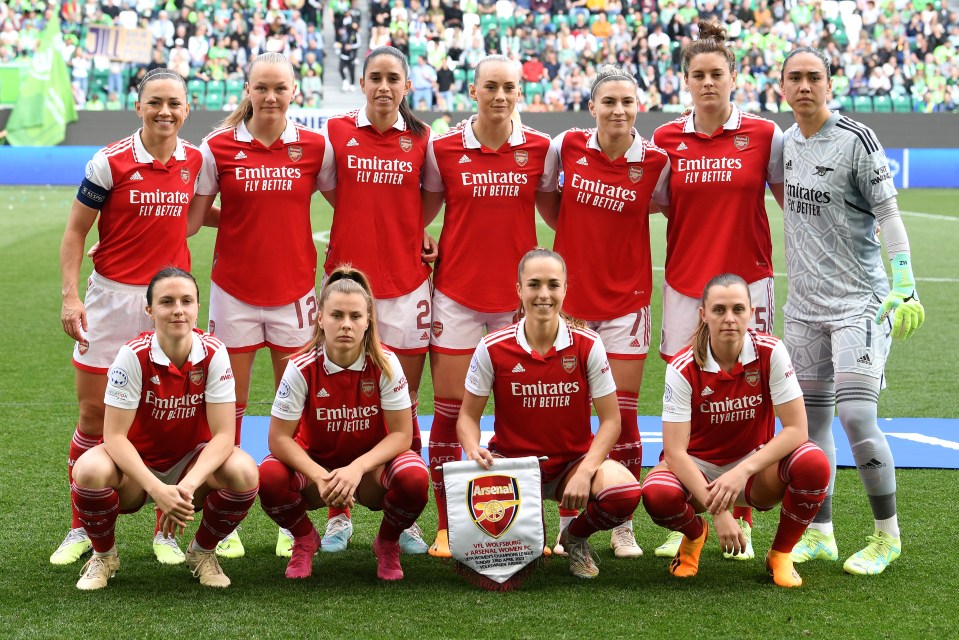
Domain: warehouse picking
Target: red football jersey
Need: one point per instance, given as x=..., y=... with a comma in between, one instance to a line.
x=603, y=231
x=717, y=190
x=170, y=403
x=378, y=223
x=264, y=254
x=142, y=222
x=489, y=222
x=542, y=401
x=730, y=414
x=340, y=411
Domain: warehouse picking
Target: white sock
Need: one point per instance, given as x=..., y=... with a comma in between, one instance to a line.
x=822, y=527
x=564, y=521
x=889, y=525
x=194, y=547
x=626, y=525
x=111, y=552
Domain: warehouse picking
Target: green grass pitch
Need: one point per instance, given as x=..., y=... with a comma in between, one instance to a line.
x=915, y=598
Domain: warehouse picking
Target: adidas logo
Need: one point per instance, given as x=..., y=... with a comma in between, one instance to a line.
x=635, y=344
x=465, y=159
x=240, y=156
x=155, y=379
x=518, y=368
x=864, y=359
x=425, y=336
x=352, y=143
x=872, y=464
x=706, y=392
x=582, y=161
x=682, y=147
x=322, y=393
x=136, y=176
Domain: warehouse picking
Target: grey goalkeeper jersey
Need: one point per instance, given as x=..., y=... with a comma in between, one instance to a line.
x=834, y=258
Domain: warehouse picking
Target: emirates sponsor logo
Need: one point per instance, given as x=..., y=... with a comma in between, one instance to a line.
x=295, y=152
x=240, y=156
x=406, y=143
x=136, y=176
x=352, y=143
x=635, y=174
x=741, y=142
x=521, y=157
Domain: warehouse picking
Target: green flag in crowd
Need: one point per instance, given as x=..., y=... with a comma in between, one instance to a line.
x=45, y=105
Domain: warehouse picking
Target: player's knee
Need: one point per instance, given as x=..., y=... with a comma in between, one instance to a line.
x=93, y=470
x=809, y=469
x=240, y=471
x=413, y=483
x=615, y=473
x=620, y=501
x=663, y=496
x=274, y=478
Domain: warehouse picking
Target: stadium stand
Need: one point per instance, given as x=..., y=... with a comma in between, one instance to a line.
x=888, y=55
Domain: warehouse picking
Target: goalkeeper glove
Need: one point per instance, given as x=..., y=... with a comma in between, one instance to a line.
x=903, y=301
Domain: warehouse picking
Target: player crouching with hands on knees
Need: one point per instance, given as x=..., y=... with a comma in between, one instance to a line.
x=723, y=393
x=341, y=431
x=543, y=371
x=168, y=438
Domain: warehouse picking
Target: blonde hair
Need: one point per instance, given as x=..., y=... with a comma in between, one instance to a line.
x=346, y=279
x=244, y=110
x=700, y=338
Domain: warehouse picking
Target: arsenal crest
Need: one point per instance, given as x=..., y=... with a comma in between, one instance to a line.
x=437, y=328
x=494, y=503
x=83, y=346
x=406, y=143
x=752, y=377
x=295, y=152
x=635, y=174
x=741, y=142
x=522, y=157
x=196, y=376
x=185, y=176
x=367, y=387
x=569, y=363
x=212, y=327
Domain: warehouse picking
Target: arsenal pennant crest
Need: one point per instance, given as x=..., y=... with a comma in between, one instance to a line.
x=752, y=377
x=635, y=174
x=521, y=157
x=741, y=142
x=196, y=376
x=367, y=387
x=295, y=152
x=406, y=143
x=185, y=176
x=569, y=363
x=494, y=503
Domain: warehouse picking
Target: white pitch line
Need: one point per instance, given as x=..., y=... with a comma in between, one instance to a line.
x=930, y=216
x=924, y=439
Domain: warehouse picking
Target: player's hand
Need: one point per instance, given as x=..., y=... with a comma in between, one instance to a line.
x=73, y=316
x=431, y=249
x=175, y=506
x=723, y=491
x=481, y=456
x=576, y=493
x=340, y=485
x=93, y=249
x=902, y=302
x=731, y=537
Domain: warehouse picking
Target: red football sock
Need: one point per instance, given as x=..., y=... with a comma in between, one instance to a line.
x=567, y=513
x=612, y=507
x=407, y=483
x=628, y=449
x=332, y=512
x=444, y=447
x=280, y=497
x=667, y=503
x=240, y=410
x=745, y=513
x=223, y=510
x=98, y=509
x=80, y=444
x=806, y=474
x=417, y=445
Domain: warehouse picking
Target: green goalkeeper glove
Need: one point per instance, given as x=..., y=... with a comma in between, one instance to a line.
x=902, y=301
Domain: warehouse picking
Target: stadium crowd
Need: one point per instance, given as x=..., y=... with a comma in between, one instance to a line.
x=890, y=54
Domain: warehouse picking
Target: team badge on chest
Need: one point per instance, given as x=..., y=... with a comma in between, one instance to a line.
x=367, y=387
x=295, y=152
x=196, y=376
x=406, y=143
x=741, y=142
x=521, y=157
x=569, y=363
x=494, y=503
x=635, y=174
x=752, y=377
x=185, y=176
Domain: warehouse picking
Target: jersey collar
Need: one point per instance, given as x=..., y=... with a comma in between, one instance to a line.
x=564, y=337
x=331, y=367
x=824, y=130
x=197, y=353
x=140, y=153
x=290, y=133
x=516, y=137
x=635, y=153
x=733, y=123
x=362, y=120
x=746, y=355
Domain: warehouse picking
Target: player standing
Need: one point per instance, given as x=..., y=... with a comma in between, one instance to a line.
x=543, y=372
x=377, y=158
x=265, y=169
x=721, y=161
x=841, y=313
x=722, y=396
x=491, y=171
x=138, y=189
x=168, y=438
x=610, y=176
x=341, y=431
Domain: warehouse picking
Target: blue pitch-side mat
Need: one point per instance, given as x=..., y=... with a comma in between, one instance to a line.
x=927, y=443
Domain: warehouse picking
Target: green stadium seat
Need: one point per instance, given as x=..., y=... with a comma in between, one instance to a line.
x=882, y=104
x=862, y=104
x=505, y=23
x=214, y=101
x=131, y=101
x=417, y=49
x=531, y=89
x=902, y=104
x=215, y=87
x=487, y=23
x=234, y=88
x=845, y=104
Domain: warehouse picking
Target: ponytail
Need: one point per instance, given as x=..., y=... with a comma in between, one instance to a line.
x=700, y=338
x=244, y=110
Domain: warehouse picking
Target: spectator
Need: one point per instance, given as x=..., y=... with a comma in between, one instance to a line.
x=444, y=85
x=423, y=78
